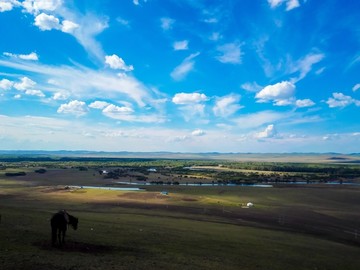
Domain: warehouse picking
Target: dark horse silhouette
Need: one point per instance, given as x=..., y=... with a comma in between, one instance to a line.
x=59, y=223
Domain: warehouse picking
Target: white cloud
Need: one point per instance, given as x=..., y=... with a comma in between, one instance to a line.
x=215, y=36
x=7, y=5
x=304, y=65
x=18, y=96
x=340, y=100
x=290, y=4
x=301, y=103
x=356, y=87
x=114, y=110
x=83, y=82
x=275, y=3
x=269, y=132
x=123, y=21
x=34, y=93
x=227, y=105
x=69, y=26
x=47, y=22
x=198, y=132
x=25, y=84
x=60, y=96
x=258, y=119
x=181, y=45
x=280, y=93
x=186, y=66
x=115, y=62
x=99, y=105
x=5, y=84
x=31, y=56
x=251, y=87
x=189, y=98
x=75, y=107
x=229, y=53
x=125, y=113
x=167, y=23
x=35, y=6
x=137, y=2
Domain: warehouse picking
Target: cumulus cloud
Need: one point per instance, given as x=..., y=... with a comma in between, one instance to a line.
x=74, y=107
x=341, y=100
x=99, y=105
x=280, y=93
x=114, y=110
x=5, y=84
x=269, y=132
x=189, y=98
x=227, y=105
x=34, y=93
x=198, y=132
x=167, y=23
x=301, y=103
x=229, y=53
x=126, y=113
x=356, y=87
x=186, y=66
x=35, y=6
x=69, y=26
x=25, y=84
x=47, y=22
x=60, y=96
x=115, y=62
x=7, y=5
x=181, y=45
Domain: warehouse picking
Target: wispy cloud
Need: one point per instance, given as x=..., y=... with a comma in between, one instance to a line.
x=227, y=105
x=304, y=65
x=186, y=66
x=181, y=45
x=167, y=23
x=31, y=56
x=82, y=82
x=229, y=53
x=290, y=4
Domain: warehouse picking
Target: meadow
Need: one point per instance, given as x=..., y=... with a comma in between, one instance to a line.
x=290, y=226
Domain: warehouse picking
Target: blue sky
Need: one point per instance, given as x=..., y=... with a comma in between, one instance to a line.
x=180, y=75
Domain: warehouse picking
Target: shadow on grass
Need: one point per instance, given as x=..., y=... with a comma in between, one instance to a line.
x=73, y=246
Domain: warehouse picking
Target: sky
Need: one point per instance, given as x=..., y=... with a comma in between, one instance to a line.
x=258, y=76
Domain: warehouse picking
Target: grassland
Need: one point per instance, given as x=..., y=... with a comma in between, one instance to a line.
x=312, y=226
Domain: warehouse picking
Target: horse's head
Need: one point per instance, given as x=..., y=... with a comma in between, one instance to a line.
x=74, y=222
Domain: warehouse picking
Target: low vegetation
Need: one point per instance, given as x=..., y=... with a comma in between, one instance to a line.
x=300, y=223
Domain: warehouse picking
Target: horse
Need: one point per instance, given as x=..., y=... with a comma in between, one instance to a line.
x=59, y=223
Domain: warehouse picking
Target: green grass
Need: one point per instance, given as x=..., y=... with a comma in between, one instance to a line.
x=192, y=228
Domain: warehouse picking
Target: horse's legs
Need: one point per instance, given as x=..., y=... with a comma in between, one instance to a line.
x=63, y=237
x=53, y=236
